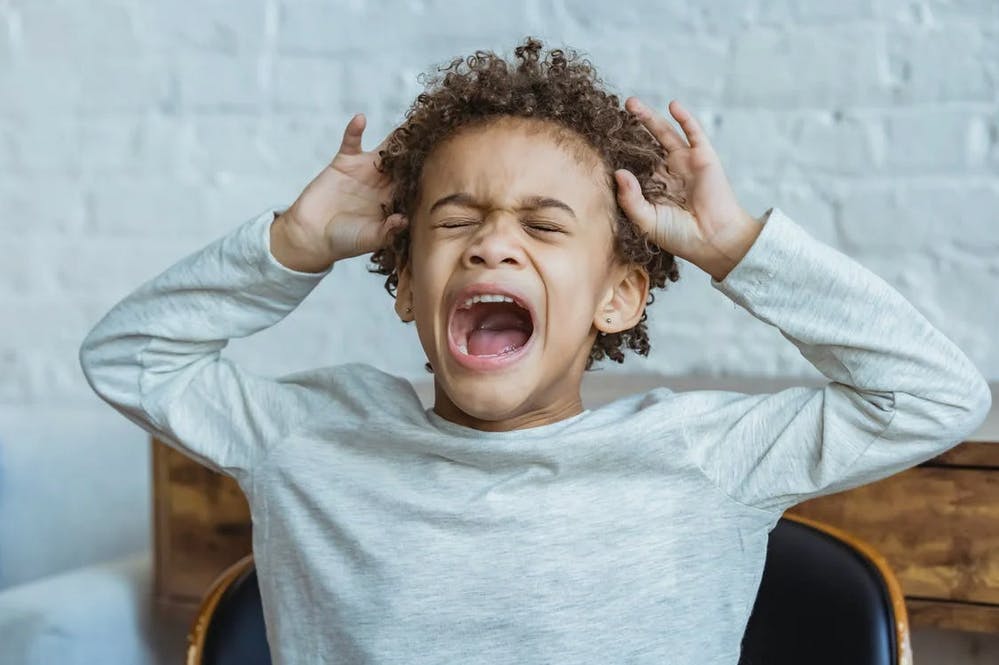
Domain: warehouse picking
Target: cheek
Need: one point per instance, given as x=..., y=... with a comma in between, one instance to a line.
x=435, y=267
x=430, y=277
x=571, y=304
x=422, y=258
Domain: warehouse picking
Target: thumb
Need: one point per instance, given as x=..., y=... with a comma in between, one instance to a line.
x=633, y=202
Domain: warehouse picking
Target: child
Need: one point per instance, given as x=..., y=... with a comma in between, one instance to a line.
x=508, y=524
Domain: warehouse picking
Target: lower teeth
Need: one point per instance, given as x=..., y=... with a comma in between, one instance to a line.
x=464, y=349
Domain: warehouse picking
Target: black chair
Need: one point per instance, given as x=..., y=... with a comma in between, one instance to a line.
x=229, y=627
x=825, y=598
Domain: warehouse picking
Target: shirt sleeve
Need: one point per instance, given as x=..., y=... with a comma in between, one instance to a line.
x=900, y=392
x=155, y=356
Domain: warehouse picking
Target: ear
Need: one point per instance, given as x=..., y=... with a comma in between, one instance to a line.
x=625, y=300
x=404, y=294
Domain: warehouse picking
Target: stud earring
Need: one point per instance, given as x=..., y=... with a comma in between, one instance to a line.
x=607, y=320
x=409, y=309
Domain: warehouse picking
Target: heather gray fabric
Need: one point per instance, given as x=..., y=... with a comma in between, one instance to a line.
x=631, y=533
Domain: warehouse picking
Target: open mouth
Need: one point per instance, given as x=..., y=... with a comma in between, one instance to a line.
x=490, y=326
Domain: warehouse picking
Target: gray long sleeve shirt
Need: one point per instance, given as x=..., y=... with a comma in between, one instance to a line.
x=631, y=533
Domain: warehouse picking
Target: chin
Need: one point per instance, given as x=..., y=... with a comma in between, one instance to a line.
x=488, y=396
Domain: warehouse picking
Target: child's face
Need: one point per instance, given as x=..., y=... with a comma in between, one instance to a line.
x=569, y=277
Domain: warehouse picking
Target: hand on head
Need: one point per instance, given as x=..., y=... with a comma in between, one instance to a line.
x=693, y=174
x=342, y=209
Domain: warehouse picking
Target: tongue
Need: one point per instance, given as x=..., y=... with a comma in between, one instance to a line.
x=483, y=342
x=499, y=332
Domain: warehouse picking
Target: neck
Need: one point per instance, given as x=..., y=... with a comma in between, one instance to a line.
x=528, y=416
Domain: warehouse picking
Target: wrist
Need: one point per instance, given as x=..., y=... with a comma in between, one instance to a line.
x=295, y=249
x=726, y=252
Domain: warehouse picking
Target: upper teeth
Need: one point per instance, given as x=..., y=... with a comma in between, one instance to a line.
x=486, y=297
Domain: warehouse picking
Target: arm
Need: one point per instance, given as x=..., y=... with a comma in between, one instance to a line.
x=900, y=392
x=155, y=356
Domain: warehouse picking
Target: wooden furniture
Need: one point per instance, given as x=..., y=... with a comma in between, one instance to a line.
x=201, y=525
x=936, y=524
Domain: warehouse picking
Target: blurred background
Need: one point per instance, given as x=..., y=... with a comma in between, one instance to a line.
x=134, y=133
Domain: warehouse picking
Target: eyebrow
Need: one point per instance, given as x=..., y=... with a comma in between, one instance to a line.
x=533, y=202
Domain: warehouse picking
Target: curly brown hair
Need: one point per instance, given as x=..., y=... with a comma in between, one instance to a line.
x=559, y=88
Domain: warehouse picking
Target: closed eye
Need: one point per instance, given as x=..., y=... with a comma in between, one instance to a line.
x=544, y=228
x=538, y=227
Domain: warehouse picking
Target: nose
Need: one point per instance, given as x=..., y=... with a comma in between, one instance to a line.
x=497, y=241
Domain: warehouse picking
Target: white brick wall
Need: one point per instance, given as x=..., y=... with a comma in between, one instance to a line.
x=133, y=133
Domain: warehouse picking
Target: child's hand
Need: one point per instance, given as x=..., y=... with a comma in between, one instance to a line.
x=714, y=232
x=340, y=212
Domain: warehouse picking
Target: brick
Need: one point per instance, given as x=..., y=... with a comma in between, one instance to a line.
x=677, y=67
x=437, y=29
x=791, y=12
x=838, y=142
x=811, y=208
x=21, y=274
x=20, y=380
x=152, y=145
x=976, y=10
x=69, y=30
x=219, y=27
x=60, y=211
x=61, y=378
x=6, y=41
x=884, y=218
x=621, y=18
x=815, y=67
x=238, y=198
x=113, y=266
x=942, y=63
x=304, y=83
x=934, y=140
x=232, y=144
x=383, y=83
x=304, y=146
x=144, y=211
x=48, y=321
x=40, y=148
x=149, y=144
x=750, y=142
x=211, y=83
x=44, y=89
x=991, y=129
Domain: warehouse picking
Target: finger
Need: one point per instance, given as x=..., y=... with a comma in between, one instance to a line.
x=695, y=133
x=392, y=225
x=351, y=143
x=633, y=202
x=656, y=123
